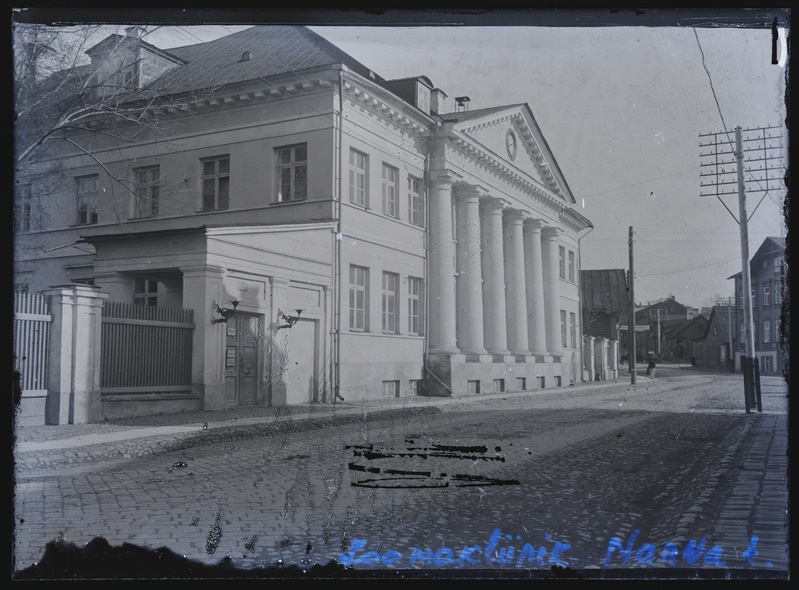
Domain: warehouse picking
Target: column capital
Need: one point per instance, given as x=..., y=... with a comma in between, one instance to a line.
x=443, y=178
x=513, y=216
x=534, y=225
x=493, y=204
x=551, y=232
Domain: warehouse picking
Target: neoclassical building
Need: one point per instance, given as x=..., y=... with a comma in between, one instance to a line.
x=433, y=248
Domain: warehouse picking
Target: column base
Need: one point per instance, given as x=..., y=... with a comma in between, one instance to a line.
x=444, y=350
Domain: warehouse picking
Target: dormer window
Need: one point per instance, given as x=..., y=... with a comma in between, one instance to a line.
x=245, y=57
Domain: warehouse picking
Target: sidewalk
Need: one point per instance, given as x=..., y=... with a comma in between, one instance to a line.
x=46, y=446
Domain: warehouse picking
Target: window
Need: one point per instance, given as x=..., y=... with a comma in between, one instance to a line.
x=414, y=305
x=573, y=329
x=292, y=172
x=766, y=295
x=358, y=297
x=390, y=183
x=86, y=191
x=390, y=388
x=146, y=190
x=541, y=381
x=562, y=261
x=558, y=380
x=216, y=183
x=778, y=295
x=768, y=365
x=145, y=292
x=22, y=210
x=563, y=327
x=742, y=338
x=521, y=383
x=499, y=385
x=415, y=202
x=767, y=331
x=571, y=266
x=778, y=265
x=754, y=295
x=358, y=192
x=390, y=300
x=414, y=386
x=473, y=386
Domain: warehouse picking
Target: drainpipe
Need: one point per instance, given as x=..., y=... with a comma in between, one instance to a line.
x=580, y=300
x=427, y=368
x=337, y=247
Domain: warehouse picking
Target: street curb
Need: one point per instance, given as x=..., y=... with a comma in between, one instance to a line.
x=178, y=441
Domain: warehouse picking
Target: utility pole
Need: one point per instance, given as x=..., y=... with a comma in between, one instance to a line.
x=658, y=348
x=631, y=322
x=765, y=147
x=747, y=363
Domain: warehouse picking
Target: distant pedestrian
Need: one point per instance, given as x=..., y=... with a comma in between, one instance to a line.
x=650, y=368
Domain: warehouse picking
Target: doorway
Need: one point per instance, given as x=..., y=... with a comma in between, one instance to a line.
x=242, y=366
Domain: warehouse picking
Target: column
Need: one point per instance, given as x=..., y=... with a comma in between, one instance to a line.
x=75, y=361
x=203, y=289
x=549, y=242
x=515, y=291
x=494, y=327
x=442, y=266
x=470, y=277
x=534, y=271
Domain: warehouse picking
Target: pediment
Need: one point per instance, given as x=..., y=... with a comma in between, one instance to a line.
x=511, y=135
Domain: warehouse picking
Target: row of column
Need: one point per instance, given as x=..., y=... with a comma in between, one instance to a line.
x=505, y=299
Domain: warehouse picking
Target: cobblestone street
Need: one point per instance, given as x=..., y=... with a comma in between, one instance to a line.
x=560, y=474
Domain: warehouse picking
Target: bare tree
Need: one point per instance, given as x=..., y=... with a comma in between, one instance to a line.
x=76, y=84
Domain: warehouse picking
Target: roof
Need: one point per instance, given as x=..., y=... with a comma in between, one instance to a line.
x=605, y=290
x=272, y=50
x=681, y=329
x=723, y=317
x=771, y=245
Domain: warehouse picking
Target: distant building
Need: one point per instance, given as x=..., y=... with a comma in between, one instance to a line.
x=605, y=301
x=768, y=272
x=719, y=339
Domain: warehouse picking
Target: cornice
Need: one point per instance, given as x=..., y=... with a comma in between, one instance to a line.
x=381, y=107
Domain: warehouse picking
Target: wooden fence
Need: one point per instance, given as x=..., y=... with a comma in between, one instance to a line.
x=31, y=340
x=145, y=349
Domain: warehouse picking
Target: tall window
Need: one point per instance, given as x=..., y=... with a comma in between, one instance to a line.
x=778, y=294
x=414, y=305
x=562, y=261
x=573, y=329
x=390, y=300
x=390, y=184
x=766, y=295
x=754, y=295
x=22, y=210
x=358, y=297
x=358, y=192
x=147, y=191
x=571, y=266
x=216, y=183
x=292, y=172
x=767, y=331
x=145, y=292
x=415, y=202
x=86, y=191
x=563, y=327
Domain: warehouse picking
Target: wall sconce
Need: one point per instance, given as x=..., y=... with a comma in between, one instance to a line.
x=290, y=320
x=225, y=312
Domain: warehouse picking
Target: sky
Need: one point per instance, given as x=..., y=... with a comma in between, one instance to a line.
x=622, y=109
